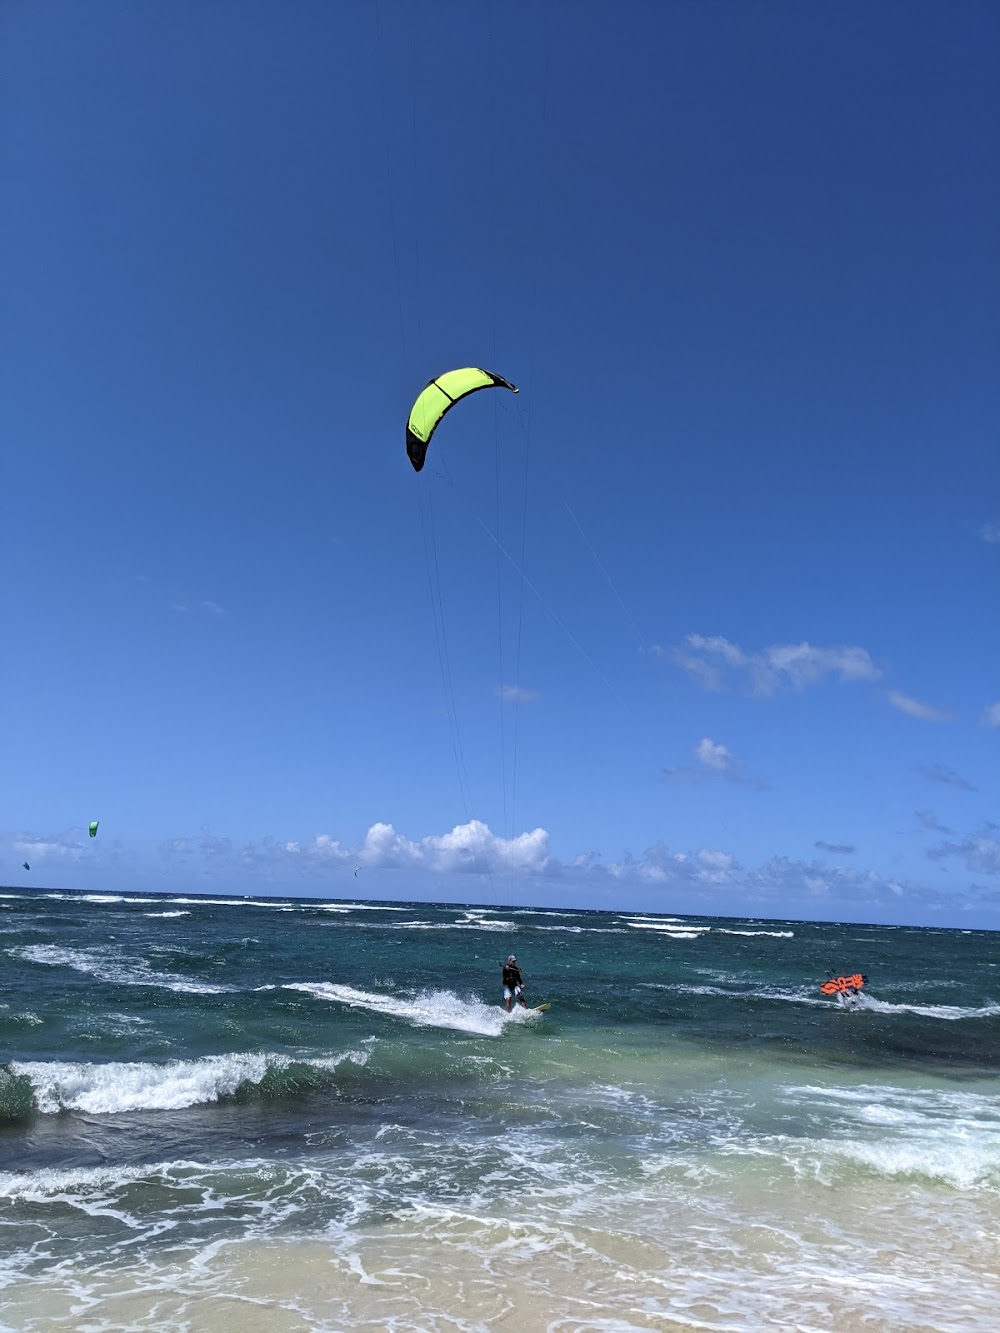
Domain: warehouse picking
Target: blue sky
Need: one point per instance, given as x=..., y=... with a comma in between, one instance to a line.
x=740, y=260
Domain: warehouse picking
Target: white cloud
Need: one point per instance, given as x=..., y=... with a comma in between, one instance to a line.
x=980, y=852
x=713, y=661
x=914, y=708
x=657, y=865
x=214, y=607
x=716, y=759
x=714, y=867
x=324, y=847
x=991, y=715
x=713, y=754
x=60, y=846
x=990, y=532
x=783, y=877
x=517, y=694
x=471, y=847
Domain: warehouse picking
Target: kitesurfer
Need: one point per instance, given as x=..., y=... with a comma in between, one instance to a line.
x=513, y=983
x=846, y=989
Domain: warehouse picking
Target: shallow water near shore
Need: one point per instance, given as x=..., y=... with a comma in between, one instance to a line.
x=290, y=1114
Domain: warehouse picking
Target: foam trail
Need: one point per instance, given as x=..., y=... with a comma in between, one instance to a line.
x=436, y=1009
x=949, y=1012
x=758, y=993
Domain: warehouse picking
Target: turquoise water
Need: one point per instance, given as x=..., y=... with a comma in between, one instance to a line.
x=317, y=1115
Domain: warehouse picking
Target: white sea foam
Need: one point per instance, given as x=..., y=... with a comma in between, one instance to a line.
x=436, y=1009
x=166, y=914
x=84, y=1186
x=213, y=902
x=28, y=1018
x=917, y=1106
x=479, y=923
x=116, y=1087
x=659, y=920
x=110, y=898
x=586, y=930
x=964, y=1166
x=949, y=1136
x=774, y=934
x=108, y=965
x=949, y=1012
x=480, y=920
x=593, y=1249
x=671, y=932
x=357, y=907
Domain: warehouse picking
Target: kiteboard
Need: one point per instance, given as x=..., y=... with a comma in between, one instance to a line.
x=540, y=1009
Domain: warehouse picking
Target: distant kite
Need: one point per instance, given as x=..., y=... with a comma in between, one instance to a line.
x=26, y=866
x=357, y=872
x=93, y=827
x=439, y=397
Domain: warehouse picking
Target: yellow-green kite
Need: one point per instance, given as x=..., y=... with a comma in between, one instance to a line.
x=439, y=397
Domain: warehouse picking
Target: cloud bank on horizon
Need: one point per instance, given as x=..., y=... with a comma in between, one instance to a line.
x=471, y=860
x=478, y=863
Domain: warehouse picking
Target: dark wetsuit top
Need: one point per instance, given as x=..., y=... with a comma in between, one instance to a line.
x=512, y=976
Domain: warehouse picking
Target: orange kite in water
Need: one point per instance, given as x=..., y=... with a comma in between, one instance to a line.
x=841, y=984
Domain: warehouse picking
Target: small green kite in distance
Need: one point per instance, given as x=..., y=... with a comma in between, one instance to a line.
x=93, y=827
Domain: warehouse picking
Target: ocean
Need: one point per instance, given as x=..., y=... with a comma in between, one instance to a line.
x=288, y=1114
